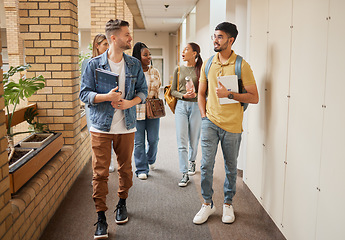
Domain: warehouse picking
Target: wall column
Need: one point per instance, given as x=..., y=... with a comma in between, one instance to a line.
x=15, y=43
x=128, y=16
x=101, y=12
x=50, y=33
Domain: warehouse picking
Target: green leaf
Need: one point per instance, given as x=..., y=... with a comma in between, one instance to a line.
x=16, y=91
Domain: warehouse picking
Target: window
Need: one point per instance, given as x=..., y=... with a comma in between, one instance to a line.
x=158, y=62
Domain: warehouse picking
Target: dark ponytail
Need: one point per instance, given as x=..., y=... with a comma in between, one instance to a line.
x=137, y=50
x=198, y=64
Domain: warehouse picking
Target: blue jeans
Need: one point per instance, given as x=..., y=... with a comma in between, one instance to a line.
x=230, y=143
x=142, y=156
x=188, y=123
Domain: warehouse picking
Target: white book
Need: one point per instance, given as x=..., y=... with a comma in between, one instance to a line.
x=230, y=82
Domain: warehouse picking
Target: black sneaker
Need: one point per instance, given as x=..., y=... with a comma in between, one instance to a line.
x=121, y=214
x=101, y=230
x=191, y=169
x=184, y=181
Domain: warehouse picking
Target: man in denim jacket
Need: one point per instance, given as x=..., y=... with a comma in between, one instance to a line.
x=113, y=118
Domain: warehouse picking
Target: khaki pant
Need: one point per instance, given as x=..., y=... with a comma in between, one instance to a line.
x=101, y=156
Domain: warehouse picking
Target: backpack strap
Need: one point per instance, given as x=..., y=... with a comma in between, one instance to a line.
x=238, y=64
x=208, y=66
x=178, y=78
x=241, y=88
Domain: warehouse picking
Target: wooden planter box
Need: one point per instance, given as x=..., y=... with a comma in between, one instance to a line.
x=21, y=172
x=27, y=144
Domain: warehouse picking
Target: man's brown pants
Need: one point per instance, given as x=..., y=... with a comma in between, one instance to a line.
x=123, y=145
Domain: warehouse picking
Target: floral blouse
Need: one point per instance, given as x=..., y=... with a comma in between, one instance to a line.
x=153, y=80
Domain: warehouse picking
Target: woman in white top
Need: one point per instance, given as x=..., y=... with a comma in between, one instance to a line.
x=146, y=128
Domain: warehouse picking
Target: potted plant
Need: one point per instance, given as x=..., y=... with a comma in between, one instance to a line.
x=41, y=131
x=21, y=170
x=13, y=93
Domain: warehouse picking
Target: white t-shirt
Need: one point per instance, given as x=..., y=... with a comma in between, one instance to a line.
x=147, y=77
x=118, y=125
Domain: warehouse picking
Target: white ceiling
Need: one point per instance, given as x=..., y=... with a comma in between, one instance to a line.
x=157, y=17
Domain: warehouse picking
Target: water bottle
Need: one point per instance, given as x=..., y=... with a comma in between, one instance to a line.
x=189, y=85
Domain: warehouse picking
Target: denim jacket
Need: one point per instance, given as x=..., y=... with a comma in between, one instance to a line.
x=101, y=114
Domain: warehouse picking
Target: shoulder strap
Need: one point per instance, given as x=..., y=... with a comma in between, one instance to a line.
x=178, y=78
x=208, y=66
x=238, y=64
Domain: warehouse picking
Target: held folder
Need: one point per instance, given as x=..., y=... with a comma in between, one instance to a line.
x=230, y=82
x=106, y=80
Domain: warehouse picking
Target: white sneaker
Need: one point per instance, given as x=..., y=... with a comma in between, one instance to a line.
x=111, y=166
x=152, y=167
x=111, y=169
x=191, y=168
x=228, y=214
x=142, y=176
x=184, y=180
x=112, y=161
x=203, y=214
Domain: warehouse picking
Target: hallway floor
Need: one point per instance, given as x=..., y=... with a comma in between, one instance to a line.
x=158, y=208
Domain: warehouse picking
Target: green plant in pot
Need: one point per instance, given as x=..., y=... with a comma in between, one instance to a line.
x=14, y=92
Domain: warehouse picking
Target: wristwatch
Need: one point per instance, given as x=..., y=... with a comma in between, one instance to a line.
x=230, y=96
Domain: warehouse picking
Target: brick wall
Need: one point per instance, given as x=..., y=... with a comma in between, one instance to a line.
x=5, y=205
x=104, y=10
x=15, y=48
x=15, y=53
x=50, y=32
x=120, y=9
x=35, y=204
x=128, y=16
x=101, y=12
x=26, y=215
x=49, y=29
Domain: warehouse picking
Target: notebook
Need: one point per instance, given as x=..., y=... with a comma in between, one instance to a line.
x=106, y=80
x=230, y=82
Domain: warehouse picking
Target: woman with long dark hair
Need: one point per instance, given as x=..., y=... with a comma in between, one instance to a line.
x=145, y=157
x=187, y=114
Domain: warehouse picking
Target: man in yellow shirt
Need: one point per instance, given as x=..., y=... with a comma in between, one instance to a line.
x=222, y=122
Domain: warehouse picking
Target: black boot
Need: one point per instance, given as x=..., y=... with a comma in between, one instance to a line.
x=102, y=227
x=121, y=212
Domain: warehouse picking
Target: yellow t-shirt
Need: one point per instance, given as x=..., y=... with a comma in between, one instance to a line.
x=229, y=117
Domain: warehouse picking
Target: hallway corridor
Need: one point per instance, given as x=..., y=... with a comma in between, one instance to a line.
x=158, y=208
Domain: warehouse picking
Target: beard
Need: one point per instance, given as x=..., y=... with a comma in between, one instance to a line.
x=127, y=46
x=124, y=45
x=220, y=48
x=217, y=49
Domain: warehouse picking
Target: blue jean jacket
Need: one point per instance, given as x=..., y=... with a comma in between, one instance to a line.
x=101, y=114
